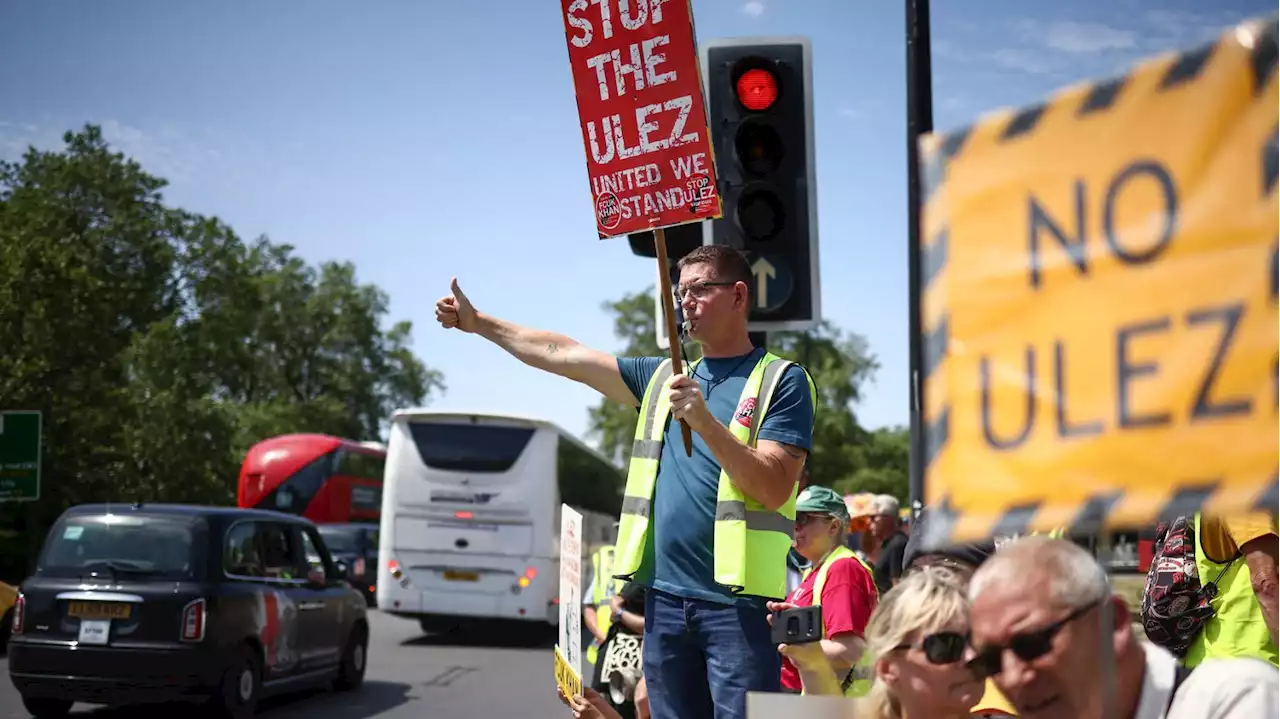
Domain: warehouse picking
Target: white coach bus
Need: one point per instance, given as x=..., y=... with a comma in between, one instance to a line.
x=471, y=516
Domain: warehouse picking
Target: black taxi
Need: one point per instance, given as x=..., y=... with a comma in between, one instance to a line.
x=355, y=546
x=133, y=604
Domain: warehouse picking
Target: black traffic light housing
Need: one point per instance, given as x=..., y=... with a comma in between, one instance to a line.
x=681, y=240
x=760, y=106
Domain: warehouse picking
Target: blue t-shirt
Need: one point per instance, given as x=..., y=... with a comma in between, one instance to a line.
x=678, y=552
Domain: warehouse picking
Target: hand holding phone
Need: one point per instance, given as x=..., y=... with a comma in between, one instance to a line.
x=795, y=625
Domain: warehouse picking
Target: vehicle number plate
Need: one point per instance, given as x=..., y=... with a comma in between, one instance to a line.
x=456, y=576
x=98, y=610
x=94, y=631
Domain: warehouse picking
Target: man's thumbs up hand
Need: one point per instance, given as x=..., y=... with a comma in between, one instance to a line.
x=454, y=310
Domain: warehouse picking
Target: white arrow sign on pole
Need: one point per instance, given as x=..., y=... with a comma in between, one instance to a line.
x=763, y=271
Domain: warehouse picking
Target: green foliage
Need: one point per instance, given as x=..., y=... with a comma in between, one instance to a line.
x=846, y=456
x=587, y=482
x=160, y=345
x=612, y=425
x=882, y=464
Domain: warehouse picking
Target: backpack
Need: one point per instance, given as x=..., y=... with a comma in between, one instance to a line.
x=1175, y=605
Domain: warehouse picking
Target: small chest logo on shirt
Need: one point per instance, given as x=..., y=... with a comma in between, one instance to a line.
x=743, y=415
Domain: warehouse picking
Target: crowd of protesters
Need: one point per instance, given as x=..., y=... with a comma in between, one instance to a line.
x=713, y=541
x=1022, y=627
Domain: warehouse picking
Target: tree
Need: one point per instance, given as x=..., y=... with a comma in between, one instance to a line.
x=613, y=425
x=845, y=454
x=882, y=460
x=159, y=345
x=840, y=364
x=295, y=346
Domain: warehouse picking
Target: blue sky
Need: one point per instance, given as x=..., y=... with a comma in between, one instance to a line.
x=428, y=139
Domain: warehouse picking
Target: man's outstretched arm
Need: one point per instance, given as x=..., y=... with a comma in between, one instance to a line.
x=547, y=351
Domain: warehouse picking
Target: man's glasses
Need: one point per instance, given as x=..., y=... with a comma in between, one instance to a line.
x=1027, y=646
x=698, y=290
x=940, y=648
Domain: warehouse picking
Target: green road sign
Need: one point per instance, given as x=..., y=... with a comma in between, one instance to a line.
x=19, y=455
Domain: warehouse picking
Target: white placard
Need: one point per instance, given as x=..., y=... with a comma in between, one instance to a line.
x=571, y=587
x=94, y=631
x=762, y=705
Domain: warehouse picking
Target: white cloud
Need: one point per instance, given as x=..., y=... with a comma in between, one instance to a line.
x=1027, y=60
x=1066, y=50
x=1020, y=60
x=1181, y=29
x=754, y=8
x=851, y=113
x=15, y=138
x=1079, y=38
x=167, y=152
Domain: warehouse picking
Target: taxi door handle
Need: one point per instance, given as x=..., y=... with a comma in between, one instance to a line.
x=304, y=606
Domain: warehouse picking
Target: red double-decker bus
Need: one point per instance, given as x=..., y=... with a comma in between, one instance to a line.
x=326, y=479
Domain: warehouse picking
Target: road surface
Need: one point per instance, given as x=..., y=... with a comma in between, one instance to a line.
x=410, y=676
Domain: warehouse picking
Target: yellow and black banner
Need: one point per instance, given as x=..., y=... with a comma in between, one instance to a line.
x=567, y=678
x=1099, y=300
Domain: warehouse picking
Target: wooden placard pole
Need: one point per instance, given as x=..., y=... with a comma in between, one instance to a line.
x=673, y=334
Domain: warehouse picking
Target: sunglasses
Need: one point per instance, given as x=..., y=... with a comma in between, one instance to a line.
x=1027, y=646
x=807, y=519
x=940, y=648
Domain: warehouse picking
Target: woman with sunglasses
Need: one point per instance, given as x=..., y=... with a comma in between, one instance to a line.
x=918, y=636
x=962, y=560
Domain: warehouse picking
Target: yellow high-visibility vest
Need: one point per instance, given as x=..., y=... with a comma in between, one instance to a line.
x=1237, y=627
x=602, y=592
x=864, y=669
x=751, y=541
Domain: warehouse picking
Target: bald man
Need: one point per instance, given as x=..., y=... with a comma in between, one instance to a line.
x=1038, y=612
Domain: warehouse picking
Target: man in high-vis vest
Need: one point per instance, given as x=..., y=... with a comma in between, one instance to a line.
x=837, y=581
x=708, y=534
x=1237, y=553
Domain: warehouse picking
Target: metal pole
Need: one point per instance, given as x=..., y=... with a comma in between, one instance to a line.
x=919, y=121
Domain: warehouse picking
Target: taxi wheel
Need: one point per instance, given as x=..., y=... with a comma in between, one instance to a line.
x=355, y=657
x=50, y=708
x=6, y=627
x=241, y=683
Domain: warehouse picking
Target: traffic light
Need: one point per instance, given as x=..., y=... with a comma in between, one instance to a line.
x=681, y=240
x=760, y=107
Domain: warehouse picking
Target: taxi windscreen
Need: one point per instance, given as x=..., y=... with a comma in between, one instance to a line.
x=120, y=546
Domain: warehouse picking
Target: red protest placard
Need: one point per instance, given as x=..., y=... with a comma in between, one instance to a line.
x=640, y=102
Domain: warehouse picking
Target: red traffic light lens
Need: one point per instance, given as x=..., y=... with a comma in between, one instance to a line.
x=757, y=89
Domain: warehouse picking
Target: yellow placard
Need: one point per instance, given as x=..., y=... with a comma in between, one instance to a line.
x=567, y=678
x=1100, y=300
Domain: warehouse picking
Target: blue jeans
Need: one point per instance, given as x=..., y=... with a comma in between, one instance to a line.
x=701, y=658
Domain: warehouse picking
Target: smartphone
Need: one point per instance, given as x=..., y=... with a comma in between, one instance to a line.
x=799, y=625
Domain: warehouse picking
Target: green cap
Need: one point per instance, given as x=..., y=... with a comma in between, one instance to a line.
x=821, y=500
